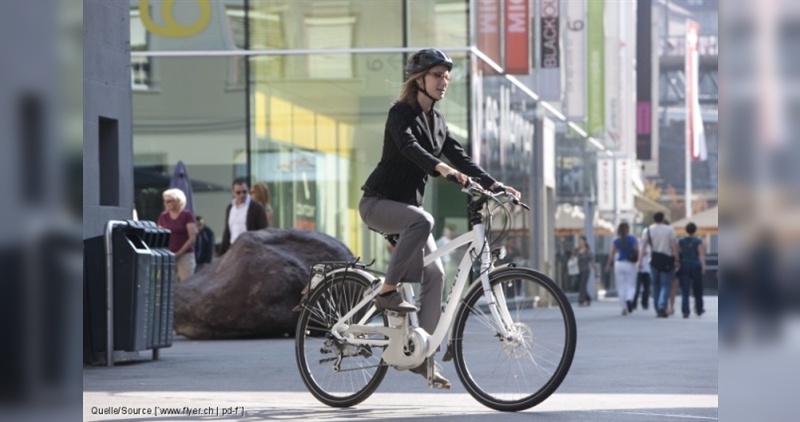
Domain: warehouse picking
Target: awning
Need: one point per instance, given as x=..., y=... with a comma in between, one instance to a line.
x=707, y=222
x=570, y=218
x=645, y=204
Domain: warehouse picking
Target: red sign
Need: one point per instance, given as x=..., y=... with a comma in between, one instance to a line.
x=517, y=32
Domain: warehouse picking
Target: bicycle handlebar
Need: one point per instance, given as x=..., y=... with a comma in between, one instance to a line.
x=473, y=187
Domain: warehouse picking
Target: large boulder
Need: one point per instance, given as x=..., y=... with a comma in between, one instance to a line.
x=251, y=290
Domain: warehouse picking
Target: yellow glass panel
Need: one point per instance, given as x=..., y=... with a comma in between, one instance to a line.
x=345, y=139
x=326, y=134
x=304, y=136
x=260, y=113
x=280, y=119
x=355, y=234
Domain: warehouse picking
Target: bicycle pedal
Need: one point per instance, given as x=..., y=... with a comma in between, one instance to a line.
x=394, y=314
x=439, y=386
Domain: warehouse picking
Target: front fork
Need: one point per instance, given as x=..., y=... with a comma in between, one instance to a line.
x=495, y=298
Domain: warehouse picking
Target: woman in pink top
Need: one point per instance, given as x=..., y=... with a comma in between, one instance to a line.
x=183, y=228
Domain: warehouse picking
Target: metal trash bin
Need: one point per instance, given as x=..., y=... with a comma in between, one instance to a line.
x=133, y=307
x=142, y=290
x=163, y=274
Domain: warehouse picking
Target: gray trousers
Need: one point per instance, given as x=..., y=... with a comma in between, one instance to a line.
x=414, y=225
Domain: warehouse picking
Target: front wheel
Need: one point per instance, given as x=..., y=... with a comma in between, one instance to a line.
x=524, y=368
x=336, y=372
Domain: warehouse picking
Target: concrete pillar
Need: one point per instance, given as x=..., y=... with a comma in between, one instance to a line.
x=107, y=115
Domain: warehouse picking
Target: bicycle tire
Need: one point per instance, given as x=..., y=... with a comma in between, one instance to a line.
x=528, y=368
x=316, y=350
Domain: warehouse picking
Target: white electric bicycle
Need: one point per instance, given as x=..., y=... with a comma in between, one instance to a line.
x=512, y=335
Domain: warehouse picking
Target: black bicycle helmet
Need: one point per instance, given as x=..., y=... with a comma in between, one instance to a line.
x=426, y=59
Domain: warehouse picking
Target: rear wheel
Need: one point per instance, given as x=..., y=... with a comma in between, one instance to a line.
x=337, y=373
x=526, y=367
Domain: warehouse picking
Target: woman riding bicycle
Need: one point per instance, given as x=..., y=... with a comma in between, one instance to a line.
x=416, y=135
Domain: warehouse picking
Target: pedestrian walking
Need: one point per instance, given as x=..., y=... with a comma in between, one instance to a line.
x=693, y=266
x=586, y=266
x=661, y=242
x=204, y=245
x=643, y=277
x=260, y=192
x=242, y=214
x=624, y=254
x=183, y=230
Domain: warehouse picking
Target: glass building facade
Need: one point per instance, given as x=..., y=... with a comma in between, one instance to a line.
x=295, y=93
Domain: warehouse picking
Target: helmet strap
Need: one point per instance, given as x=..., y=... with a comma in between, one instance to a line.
x=425, y=91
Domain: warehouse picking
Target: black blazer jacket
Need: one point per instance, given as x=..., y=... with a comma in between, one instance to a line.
x=256, y=220
x=411, y=153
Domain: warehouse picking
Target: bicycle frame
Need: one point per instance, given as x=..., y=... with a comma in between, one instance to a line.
x=476, y=239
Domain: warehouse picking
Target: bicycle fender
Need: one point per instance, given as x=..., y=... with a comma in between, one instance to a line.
x=330, y=277
x=522, y=270
x=366, y=275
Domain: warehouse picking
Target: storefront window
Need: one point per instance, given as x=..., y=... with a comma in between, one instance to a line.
x=316, y=141
x=189, y=25
x=440, y=23
x=196, y=117
x=316, y=121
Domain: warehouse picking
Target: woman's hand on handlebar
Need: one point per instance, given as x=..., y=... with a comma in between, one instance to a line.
x=451, y=174
x=513, y=192
x=499, y=187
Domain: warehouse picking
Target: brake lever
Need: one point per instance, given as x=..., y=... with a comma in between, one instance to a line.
x=516, y=201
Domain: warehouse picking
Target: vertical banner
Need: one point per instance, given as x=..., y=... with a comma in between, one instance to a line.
x=488, y=32
x=623, y=185
x=517, y=37
x=627, y=76
x=596, y=69
x=575, y=60
x=695, y=134
x=613, y=78
x=605, y=184
x=549, y=51
x=644, y=83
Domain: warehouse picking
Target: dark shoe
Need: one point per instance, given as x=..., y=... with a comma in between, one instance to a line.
x=394, y=302
x=661, y=314
x=685, y=315
x=438, y=380
x=644, y=306
x=630, y=305
x=700, y=312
